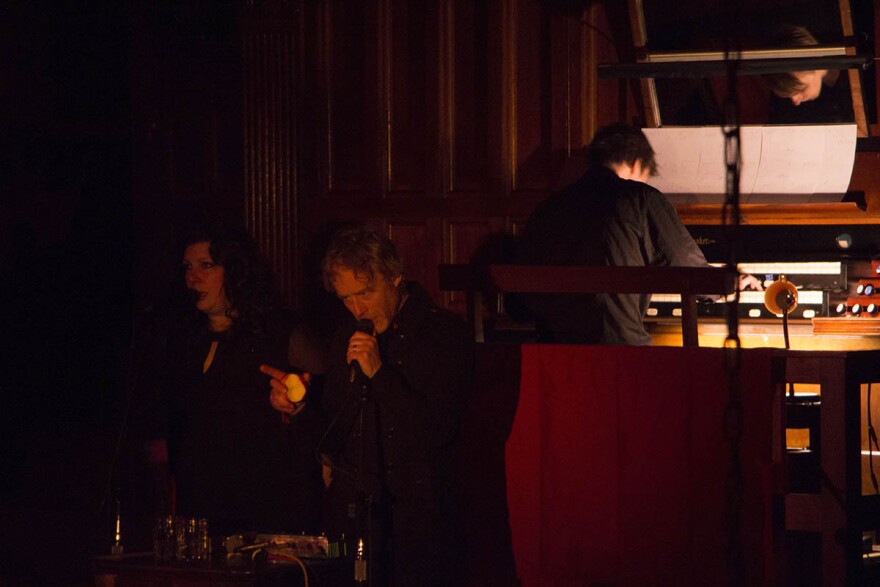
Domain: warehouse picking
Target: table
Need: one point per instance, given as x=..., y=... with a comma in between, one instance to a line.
x=141, y=570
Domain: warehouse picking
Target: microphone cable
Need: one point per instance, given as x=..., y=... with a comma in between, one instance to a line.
x=322, y=440
x=365, y=326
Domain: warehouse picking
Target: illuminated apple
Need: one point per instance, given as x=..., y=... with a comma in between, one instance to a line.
x=296, y=390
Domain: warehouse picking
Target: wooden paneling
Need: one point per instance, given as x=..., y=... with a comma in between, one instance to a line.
x=529, y=90
x=445, y=122
x=574, y=93
x=616, y=100
x=409, y=67
x=419, y=249
x=351, y=71
x=570, y=79
x=270, y=146
x=466, y=241
x=467, y=96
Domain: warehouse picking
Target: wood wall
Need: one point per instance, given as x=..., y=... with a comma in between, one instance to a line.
x=442, y=123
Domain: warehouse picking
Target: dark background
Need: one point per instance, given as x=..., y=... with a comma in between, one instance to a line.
x=86, y=247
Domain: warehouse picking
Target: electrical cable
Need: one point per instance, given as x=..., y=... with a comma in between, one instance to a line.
x=317, y=453
x=295, y=559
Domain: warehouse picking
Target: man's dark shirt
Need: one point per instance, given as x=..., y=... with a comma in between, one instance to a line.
x=603, y=220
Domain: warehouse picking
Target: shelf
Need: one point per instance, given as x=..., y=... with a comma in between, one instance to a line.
x=701, y=68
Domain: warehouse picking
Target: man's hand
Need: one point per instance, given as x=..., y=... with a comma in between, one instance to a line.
x=278, y=395
x=747, y=281
x=364, y=348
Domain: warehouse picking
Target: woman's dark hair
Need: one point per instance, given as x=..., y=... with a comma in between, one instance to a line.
x=248, y=280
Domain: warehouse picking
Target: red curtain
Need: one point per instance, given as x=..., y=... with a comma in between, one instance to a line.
x=617, y=466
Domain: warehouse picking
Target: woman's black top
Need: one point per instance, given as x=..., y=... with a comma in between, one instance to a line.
x=234, y=459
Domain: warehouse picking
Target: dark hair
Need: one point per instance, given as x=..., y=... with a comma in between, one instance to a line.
x=247, y=278
x=785, y=84
x=621, y=143
x=364, y=252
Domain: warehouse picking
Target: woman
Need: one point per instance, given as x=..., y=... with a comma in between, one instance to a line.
x=234, y=460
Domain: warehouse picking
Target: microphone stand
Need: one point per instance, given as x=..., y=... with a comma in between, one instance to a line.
x=788, y=302
x=363, y=567
x=143, y=330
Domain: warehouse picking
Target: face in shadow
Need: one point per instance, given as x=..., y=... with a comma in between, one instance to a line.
x=206, y=278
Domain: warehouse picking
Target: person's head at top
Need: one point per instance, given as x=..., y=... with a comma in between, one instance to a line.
x=625, y=150
x=798, y=86
x=229, y=282
x=362, y=267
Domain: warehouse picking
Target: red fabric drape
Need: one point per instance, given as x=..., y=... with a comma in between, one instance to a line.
x=617, y=464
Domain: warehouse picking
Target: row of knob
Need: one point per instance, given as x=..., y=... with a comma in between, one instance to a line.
x=857, y=309
x=869, y=302
x=866, y=289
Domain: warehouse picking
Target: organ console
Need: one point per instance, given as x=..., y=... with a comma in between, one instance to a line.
x=837, y=300
x=828, y=247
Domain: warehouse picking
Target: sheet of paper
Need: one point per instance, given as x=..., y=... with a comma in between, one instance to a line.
x=778, y=163
x=791, y=160
x=677, y=151
x=840, y=157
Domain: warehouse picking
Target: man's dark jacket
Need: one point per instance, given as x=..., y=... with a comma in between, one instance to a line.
x=411, y=422
x=603, y=220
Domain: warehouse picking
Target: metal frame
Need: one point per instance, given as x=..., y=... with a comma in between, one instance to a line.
x=665, y=64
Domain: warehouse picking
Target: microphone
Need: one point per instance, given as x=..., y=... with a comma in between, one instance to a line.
x=365, y=326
